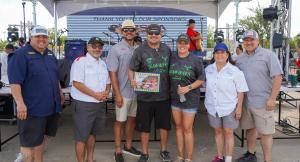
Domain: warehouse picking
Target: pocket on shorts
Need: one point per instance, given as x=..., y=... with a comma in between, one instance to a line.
x=268, y=118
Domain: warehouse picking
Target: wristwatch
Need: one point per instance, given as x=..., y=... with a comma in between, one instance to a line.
x=190, y=87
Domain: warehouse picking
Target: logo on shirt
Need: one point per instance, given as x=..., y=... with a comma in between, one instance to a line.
x=160, y=67
x=31, y=53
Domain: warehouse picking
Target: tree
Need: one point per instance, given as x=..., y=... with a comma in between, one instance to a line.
x=60, y=42
x=3, y=44
x=295, y=42
x=259, y=24
x=210, y=37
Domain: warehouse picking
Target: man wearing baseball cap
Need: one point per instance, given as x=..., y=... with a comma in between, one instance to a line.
x=263, y=74
x=118, y=60
x=152, y=57
x=90, y=89
x=33, y=77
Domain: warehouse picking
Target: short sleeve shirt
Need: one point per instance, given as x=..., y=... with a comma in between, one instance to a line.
x=118, y=60
x=37, y=74
x=183, y=72
x=191, y=33
x=149, y=60
x=222, y=88
x=90, y=72
x=259, y=68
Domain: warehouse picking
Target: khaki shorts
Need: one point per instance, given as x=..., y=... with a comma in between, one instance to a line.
x=258, y=118
x=128, y=109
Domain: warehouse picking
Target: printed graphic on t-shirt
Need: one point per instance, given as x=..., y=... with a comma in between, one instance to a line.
x=180, y=72
x=160, y=67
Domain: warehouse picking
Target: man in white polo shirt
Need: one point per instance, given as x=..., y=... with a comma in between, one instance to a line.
x=90, y=88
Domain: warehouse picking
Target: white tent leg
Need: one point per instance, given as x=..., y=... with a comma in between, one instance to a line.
x=287, y=49
x=218, y=14
x=55, y=28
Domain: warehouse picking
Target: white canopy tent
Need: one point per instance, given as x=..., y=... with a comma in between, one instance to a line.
x=209, y=8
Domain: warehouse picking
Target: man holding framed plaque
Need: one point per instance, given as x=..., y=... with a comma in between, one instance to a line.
x=150, y=65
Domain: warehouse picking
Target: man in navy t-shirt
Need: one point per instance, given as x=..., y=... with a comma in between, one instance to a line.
x=33, y=76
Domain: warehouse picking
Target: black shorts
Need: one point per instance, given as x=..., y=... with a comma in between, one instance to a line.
x=160, y=110
x=33, y=129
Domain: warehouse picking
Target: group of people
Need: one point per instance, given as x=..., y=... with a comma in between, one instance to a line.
x=233, y=96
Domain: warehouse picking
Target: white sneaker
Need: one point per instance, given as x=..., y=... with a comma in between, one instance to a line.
x=19, y=158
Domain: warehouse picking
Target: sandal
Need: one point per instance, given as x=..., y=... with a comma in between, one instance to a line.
x=180, y=159
x=187, y=160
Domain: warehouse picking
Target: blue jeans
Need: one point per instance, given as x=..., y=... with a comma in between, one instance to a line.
x=186, y=110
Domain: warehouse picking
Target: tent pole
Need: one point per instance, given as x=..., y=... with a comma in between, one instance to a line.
x=287, y=49
x=55, y=28
x=218, y=14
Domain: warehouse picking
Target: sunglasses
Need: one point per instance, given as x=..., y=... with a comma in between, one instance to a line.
x=95, y=46
x=154, y=33
x=128, y=30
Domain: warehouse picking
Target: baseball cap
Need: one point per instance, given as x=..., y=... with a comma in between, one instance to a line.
x=183, y=37
x=221, y=47
x=128, y=24
x=39, y=30
x=250, y=34
x=94, y=40
x=153, y=28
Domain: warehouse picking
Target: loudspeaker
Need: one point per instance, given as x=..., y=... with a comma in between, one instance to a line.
x=74, y=49
x=277, y=40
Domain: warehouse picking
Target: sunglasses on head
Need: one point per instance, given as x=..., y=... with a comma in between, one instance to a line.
x=94, y=46
x=128, y=30
x=154, y=33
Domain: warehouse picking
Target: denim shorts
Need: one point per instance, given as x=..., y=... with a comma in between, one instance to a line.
x=186, y=110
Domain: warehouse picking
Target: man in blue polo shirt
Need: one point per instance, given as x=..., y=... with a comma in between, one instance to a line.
x=33, y=76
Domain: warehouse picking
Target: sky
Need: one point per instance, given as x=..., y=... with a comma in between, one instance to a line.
x=45, y=19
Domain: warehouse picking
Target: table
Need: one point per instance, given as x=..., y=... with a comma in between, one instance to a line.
x=5, y=91
x=283, y=90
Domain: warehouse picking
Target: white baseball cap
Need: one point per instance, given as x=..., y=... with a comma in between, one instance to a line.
x=39, y=30
x=250, y=34
x=128, y=24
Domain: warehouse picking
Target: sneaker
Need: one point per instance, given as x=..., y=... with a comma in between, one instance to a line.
x=217, y=159
x=165, y=156
x=144, y=158
x=119, y=157
x=19, y=158
x=132, y=151
x=247, y=157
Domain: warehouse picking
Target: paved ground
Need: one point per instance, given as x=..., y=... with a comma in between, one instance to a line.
x=61, y=148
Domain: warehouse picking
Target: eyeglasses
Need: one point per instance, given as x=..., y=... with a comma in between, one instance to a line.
x=154, y=32
x=128, y=30
x=95, y=46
